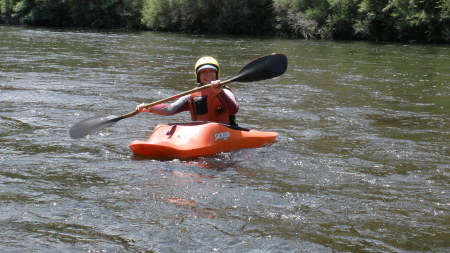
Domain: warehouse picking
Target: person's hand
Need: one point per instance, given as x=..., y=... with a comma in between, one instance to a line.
x=143, y=108
x=216, y=86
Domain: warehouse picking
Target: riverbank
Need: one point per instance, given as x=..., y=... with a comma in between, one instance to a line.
x=393, y=21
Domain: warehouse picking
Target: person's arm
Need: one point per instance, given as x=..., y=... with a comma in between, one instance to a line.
x=228, y=101
x=226, y=97
x=179, y=105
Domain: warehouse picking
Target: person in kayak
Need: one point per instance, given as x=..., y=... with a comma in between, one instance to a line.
x=216, y=104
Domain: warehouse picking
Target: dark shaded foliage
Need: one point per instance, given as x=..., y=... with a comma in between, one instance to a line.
x=72, y=13
x=379, y=20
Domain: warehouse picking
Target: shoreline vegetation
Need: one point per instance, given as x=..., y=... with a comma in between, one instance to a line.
x=422, y=21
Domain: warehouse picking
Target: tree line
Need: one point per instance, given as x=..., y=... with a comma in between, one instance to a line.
x=377, y=20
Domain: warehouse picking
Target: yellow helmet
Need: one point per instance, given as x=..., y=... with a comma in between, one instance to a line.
x=206, y=62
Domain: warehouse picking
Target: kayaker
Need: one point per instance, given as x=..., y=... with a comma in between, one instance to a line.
x=216, y=104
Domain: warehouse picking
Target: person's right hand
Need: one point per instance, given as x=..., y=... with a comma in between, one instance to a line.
x=216, y=86
x=142, y=108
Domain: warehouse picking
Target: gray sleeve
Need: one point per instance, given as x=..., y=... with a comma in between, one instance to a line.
x=178, y=106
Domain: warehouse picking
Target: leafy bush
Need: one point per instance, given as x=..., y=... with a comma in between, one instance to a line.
x=380, y=20
x=206, y=16
x=301, y=18
x=79, y=13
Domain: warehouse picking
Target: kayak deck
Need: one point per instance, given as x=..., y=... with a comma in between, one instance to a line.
x=193, y=139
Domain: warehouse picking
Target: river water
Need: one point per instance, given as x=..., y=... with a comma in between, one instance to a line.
x=361, y=163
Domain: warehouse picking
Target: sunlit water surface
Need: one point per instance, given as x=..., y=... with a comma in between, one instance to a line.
x=361, y=163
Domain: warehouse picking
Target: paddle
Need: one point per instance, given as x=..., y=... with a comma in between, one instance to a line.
x=262, y=68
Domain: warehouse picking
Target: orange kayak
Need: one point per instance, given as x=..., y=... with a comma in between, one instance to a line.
x=193, y=139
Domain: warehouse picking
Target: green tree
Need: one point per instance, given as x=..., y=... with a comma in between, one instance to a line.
x=375, y=20
x=6, y=7
x=380, y=20
x=86, y=13
x=155, y=14
x=173, y=15
x=419, y=20
x=301, y=18
x=206, y=16
x=246, y=17
x=406, y=20
x=343, y=15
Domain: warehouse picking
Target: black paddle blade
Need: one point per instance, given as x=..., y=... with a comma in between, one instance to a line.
x=92, y=124
x=263, y=68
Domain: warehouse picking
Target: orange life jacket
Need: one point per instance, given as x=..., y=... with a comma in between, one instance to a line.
x=205, y=106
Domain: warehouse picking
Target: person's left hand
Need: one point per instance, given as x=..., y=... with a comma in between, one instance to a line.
x=143, y=108
x=216, y=86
